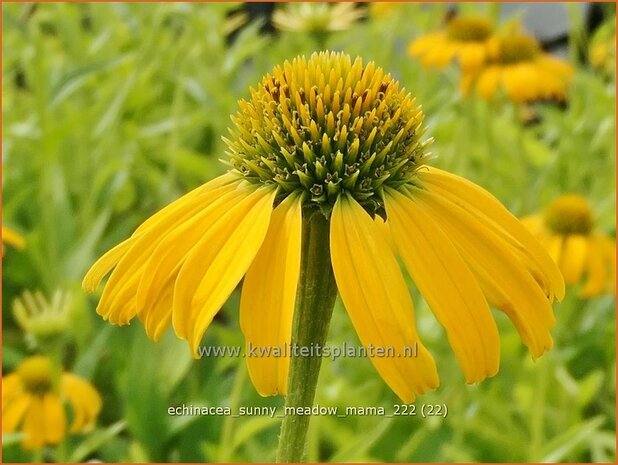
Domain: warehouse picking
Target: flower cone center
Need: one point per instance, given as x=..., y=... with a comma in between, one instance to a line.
x=517, y=48
x=326, y=125
x=468, y=29
x=569, y=214
x=36, y=374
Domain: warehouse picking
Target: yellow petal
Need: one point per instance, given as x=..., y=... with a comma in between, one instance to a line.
x=104, y=265
x=159, y=315
x=269, y=295
x=11, y=387
x=609, y=247
x=534, y=223
x=502, y=276
x=13, y=412
x=554, y=245
x=183, y=202
x=111, y=258
x=447, y=284
x=84, y=400
x=488, y=82
x=34, y=424
x=493, y=214
x=573, y=257
x=217, y=263
x=375, y=296
x=596, y=270
x=471, y=56
x=55, y=419
x=161, y=269
x=118, y=303
x=12, y=237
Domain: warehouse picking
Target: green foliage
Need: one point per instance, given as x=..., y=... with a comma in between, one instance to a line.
x=112, y=110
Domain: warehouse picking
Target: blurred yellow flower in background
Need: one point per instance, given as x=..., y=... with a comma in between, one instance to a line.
x=602, y=49
x=316, y=17
x=33, y=398
x=42, y=318
x=518, y=67
x=329, y=137
x=567, y=231
x=382, y=9
x=12, y=238
x=464, y=39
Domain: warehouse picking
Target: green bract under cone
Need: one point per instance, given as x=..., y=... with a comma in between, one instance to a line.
x=327, y=125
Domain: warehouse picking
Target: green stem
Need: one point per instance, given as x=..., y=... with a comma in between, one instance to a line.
x=315, y=299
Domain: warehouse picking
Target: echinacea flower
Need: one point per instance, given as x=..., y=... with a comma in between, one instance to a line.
x=518, y=67
x=316, y=17
x=40, y=317
x=464, y=39
x=567, y=231
x=12, y=238
x=33, y=398
x=330, y=136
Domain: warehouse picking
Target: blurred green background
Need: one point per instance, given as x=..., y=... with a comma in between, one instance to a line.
x=110, y=111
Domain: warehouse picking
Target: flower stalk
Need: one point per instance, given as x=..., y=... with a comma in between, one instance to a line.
x=315, y=300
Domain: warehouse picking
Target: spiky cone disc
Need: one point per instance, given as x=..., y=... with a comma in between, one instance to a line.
x=327, y=125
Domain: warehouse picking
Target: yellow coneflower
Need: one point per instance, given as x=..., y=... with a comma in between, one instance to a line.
x=517, y=66
x=32, y=401
x=465, y=39
x=40, y=317
x=316, y=17
x=329, y=136
x=12, y=238
x=567, y=231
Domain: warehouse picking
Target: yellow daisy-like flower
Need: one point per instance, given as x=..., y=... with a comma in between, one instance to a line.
x=316, y=17
x=32, y=401
x=465, y=39
x=330, y=136
x=12, y=238
x=518, y=67
x=383, y=9
x=566, y=229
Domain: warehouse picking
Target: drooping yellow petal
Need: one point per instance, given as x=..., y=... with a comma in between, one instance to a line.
x=84, y=399
x=11, y=387
x=217, y=263
x=489, y=81
x=375, y=296
x=554, y=245
x=13, y=412
x=574, y=252
x=34, y=424
x=159, y=315
x=181, y=203
x=534, y=223
x=104, y=265
x=268, y=298
x=448, y=285
x=472, y=56
x=502, y=276
x=117, y=303
x=596, y=270
x=162, y=267
x=55, y=418
x=486, y=207
x=609, y=247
